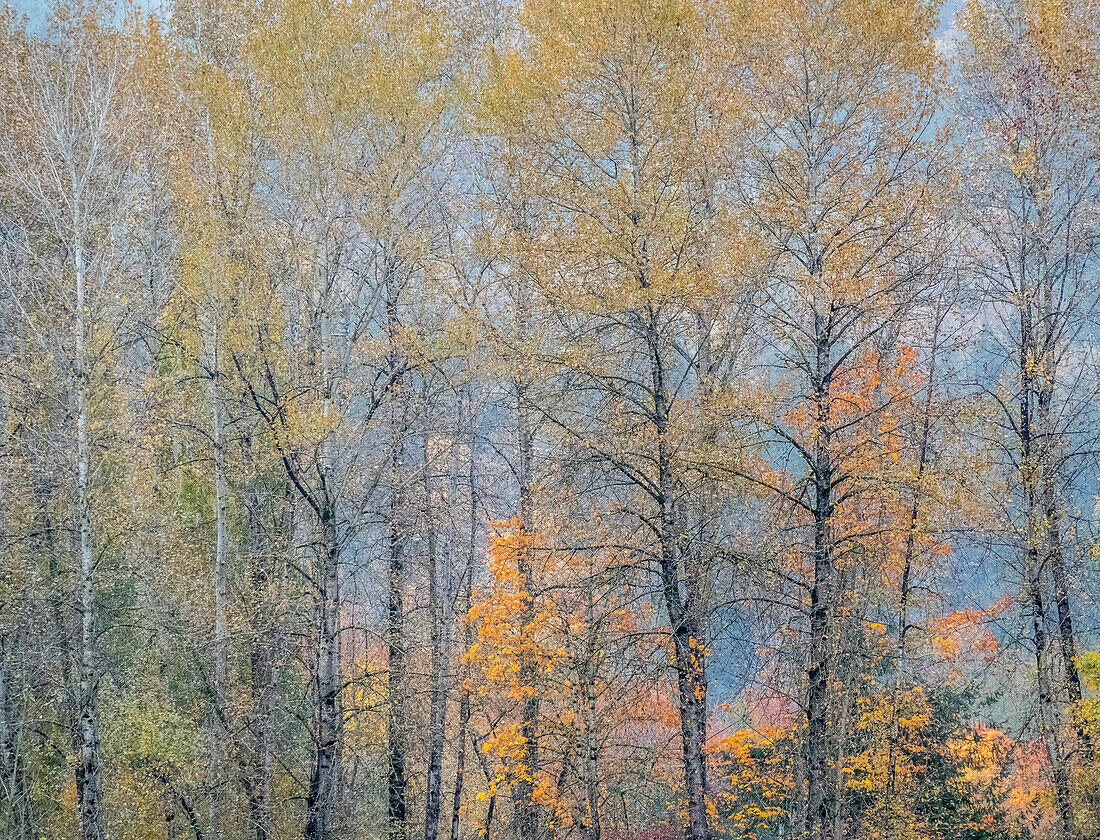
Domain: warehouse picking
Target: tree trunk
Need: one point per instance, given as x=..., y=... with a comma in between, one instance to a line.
x=1048, y=469
x=1048, y=721
x=218, y=721
x=908, y=558
x=487, y=826
x=260, y=771
x=467, y=637
x=1032, y=480
x=685, y=621
x=820, y=803
x=460, y=761
x=322, y=802
x=438, y=702
x=528, y=817
x=1066, y=635
x=12, y=771
x=840, y=826
x=592, y=826
x=12, y=775
x=397, y=735
x=89, y=779
x=395, y=636
x=1051, y=461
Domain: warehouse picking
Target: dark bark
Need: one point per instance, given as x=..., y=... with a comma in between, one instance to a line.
x=818, y=747
x=1047, y=715
x=218, y=723
x=487, y=826
x=1067, y=636
x=461, y=737
x=685, y=613
x=1032, y=478
x=89, y=769
x=592, y=824
x=174, y=796
x=397, y=673
x=437, y=712
x=396, y=641
x=1048, y=470
x=322, y=800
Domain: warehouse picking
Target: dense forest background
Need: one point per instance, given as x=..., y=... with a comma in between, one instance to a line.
x=596, y=419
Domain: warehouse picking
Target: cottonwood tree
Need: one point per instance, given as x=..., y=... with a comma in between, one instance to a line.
x=70, y=116
x=596, y=119
x=1033, y=170
x=346, y=198
x=214, y=181
x=840, y=179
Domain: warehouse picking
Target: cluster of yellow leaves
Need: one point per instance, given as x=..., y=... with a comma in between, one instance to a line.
x=755, y=766
x=514, y=652
x=513, y=627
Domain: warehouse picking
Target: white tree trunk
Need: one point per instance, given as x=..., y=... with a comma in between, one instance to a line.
x=90, y=782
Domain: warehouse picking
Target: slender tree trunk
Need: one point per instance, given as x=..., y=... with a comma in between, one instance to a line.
x=817, y=739
x=839, y=826
x=688, y=660
x=460, y=760
x=592, y=826
x=397, y=672
x=45, y=544
x=261, y=767
x=1031, y=468
x=908, y=559
x=437, y=712
x=397, y=676
x=1048, y=469
x=685, y=609
x=820, y=803
x=1048, y=721
x=89, y=779
x=322, y=802
x=1066, y=634
x=175, y=797
x=487, y=826
x=218, y=718
x=687, y=628
x=13, y=775
x=699, y=551
x=467, y=635
x=528, y=816
x=1051, y=459
x=7, y=740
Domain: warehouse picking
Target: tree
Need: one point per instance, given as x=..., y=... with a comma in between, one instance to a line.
x=844, y=173
x=1034, y=187
x=70, y=114
x=595, y=120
